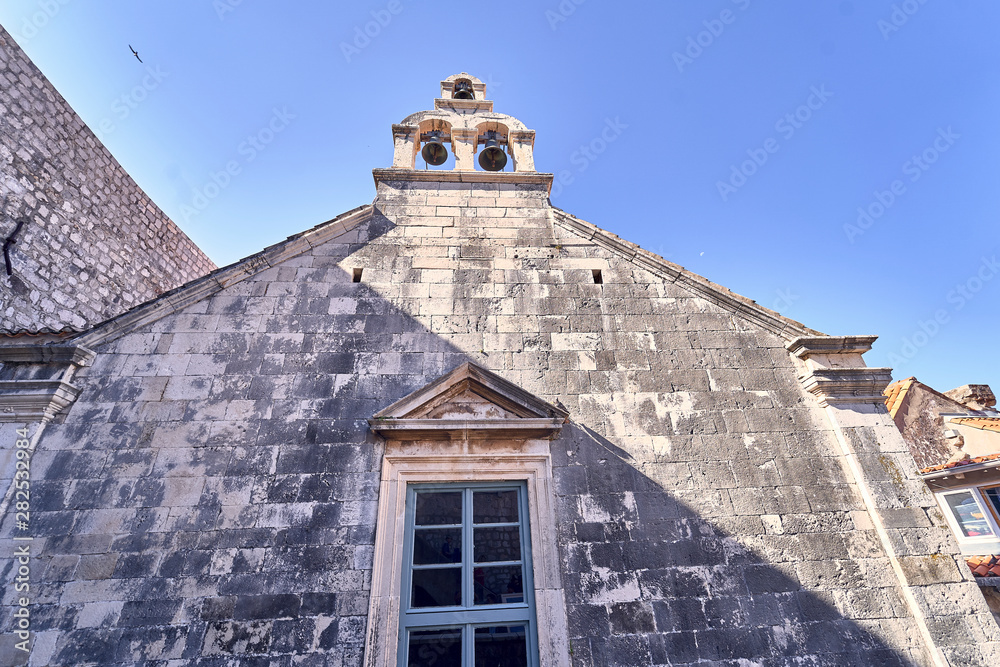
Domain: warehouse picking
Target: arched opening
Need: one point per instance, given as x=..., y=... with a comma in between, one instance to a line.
x=492, y=147
x=435, y=150
x=462, y=90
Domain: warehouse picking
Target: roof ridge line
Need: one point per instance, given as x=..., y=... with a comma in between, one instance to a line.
x=783, y=326
x=194, y=291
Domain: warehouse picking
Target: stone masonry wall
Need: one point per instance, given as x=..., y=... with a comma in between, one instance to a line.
x=93, y=244
x=213, y=492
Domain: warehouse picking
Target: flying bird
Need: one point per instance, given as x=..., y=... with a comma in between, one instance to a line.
x=134, y=53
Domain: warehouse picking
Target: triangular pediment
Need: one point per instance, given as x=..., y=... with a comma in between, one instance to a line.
x=467, y=401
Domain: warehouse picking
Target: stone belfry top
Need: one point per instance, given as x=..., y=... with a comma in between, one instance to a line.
x=464, y=123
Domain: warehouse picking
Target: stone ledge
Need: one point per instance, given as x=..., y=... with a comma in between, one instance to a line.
x=44, y=354
x=804, y=346
x=34, y=400
x=437, y=176
x=466, y=429
x=848, y=385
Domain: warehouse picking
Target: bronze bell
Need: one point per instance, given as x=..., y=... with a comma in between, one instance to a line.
x=463, y=91
x=434, y=152
x=492, y=157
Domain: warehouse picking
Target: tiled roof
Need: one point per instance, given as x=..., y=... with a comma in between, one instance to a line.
x=959, y=464
x=45, y=331
x=984, y=566
x=895, y=393
x=984, y=423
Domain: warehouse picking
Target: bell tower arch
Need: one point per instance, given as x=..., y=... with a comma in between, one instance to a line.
x=463, y=122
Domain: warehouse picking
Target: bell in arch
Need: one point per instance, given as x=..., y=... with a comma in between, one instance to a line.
x=434, y=152
x=492, y=157
x=462, y=91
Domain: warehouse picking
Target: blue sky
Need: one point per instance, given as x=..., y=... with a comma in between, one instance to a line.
x=835, y=161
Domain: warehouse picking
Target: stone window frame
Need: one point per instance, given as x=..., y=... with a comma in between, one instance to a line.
x=466, y=616
x=411, y=463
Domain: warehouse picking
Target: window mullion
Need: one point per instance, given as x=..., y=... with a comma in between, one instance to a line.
x=467, y=574
x=469, y=635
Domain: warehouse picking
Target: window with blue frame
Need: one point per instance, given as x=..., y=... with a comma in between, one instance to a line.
x=467, y=595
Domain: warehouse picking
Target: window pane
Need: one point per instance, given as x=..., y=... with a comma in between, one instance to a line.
x=437, y=588
x=494, y=507
x=502, y=645
x=497, y=585
x=440, y=648
x=437, y=545
x=436, y=508
x=496, y=544
x=970, y=516
x=993, y=495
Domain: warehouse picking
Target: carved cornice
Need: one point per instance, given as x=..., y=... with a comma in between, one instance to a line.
x=466, y=429
x=46, y=354
x=35, y=385
x=805, y=346
x=34, y=400
x=848, y=385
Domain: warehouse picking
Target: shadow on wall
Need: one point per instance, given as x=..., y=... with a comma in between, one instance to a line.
x=649, y=581
x=215, y=496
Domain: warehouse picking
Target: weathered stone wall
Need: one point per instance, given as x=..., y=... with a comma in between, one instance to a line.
x=919, y=420
x=93, y=244
x=213, y=492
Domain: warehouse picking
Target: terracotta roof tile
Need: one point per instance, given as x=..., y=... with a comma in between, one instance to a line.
x=895, y=393
x=984, y=566
x=45, y=331
x=984, y=423
x=959, y=464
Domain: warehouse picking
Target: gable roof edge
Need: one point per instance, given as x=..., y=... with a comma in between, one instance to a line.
x=784, y=327
x=190, y=293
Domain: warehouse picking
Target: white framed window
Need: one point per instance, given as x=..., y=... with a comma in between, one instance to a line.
x=467, y=592
x=967, y=514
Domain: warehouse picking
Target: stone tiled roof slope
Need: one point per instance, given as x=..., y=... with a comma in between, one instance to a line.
x=204, y=287
x=90, y=243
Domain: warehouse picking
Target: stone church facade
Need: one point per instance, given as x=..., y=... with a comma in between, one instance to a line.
x=460, y=426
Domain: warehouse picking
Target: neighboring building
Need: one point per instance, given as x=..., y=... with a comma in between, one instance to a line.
x=81, y=241
x=955, y=437
x=461, y=422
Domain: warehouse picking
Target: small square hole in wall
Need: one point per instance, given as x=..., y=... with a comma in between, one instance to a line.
x=356, y=275
x=598, y=278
